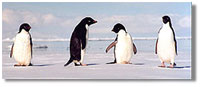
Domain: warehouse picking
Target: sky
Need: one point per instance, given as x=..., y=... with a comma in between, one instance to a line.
x=54, y=20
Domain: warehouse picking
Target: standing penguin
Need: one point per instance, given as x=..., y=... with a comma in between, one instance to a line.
x=21, y=49
x=123, y=45
x=78, y=41
x=166, y=46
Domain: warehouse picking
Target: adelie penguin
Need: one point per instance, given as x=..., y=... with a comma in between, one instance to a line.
x=21, y=49
x=123, y=45
x=79, y=40
x=166, y=45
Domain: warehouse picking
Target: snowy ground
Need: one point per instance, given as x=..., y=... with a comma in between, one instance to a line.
x=144, y=66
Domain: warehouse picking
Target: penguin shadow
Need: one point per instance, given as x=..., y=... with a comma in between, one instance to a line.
x=40, y=65
x=34, y=65
x=138, y=64
x=179, y=67
x=92, y=64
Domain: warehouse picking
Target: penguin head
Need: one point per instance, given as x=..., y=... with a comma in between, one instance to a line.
x=166, y=19
x=88, y=21
x=24, y=26
x=118, y=27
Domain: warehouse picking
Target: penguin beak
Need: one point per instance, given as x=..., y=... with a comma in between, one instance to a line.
x=112, y=30
x=94, y=21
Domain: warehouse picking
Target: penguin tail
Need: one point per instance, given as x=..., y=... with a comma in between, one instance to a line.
x=115, y=61
x=111, y=63
x=70, y=61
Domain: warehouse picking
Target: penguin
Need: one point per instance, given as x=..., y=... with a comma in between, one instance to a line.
x=123, y=45
x=21, y=49
x=79, y=40
x=166, y=45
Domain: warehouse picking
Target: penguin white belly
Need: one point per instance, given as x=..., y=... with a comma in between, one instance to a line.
x=82, y=55
x=124, y=48
x=83, y=50
x=166, y=46
x=22, y=48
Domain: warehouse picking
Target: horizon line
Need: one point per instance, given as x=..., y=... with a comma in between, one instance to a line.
x=96, y=39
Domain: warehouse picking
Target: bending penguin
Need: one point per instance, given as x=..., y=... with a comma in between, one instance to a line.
x=21, y=49
x=78, y=41
x=166, y=45
x=123, y=45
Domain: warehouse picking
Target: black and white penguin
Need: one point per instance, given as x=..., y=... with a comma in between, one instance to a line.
x=166, y=45
x=79, y=40
x=21, y=49
x=123, y=45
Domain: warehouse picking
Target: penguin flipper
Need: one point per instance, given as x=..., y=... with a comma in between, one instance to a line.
x=157, y=42
x=11, y=52
x=175, y=43
x=156, y=46
x=31, y=43
x=175, y=46
x=111, y=45
x=134, y=49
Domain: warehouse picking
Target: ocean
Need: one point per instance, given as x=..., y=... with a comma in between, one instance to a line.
x=61, y=46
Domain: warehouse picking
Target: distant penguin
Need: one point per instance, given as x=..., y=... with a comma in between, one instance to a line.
x=21, y=49
x=123, y=45
x=166, y=45
x=78, y=41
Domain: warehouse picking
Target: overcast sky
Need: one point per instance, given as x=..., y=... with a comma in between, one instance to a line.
x=58, y=20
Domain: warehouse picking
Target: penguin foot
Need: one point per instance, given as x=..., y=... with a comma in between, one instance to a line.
x=22, y=65
x=172, y=65
x=17, y=65
x=162, y=65
x=80, y=64
x=77, y=64
x=125, y=62
x=84, y=64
